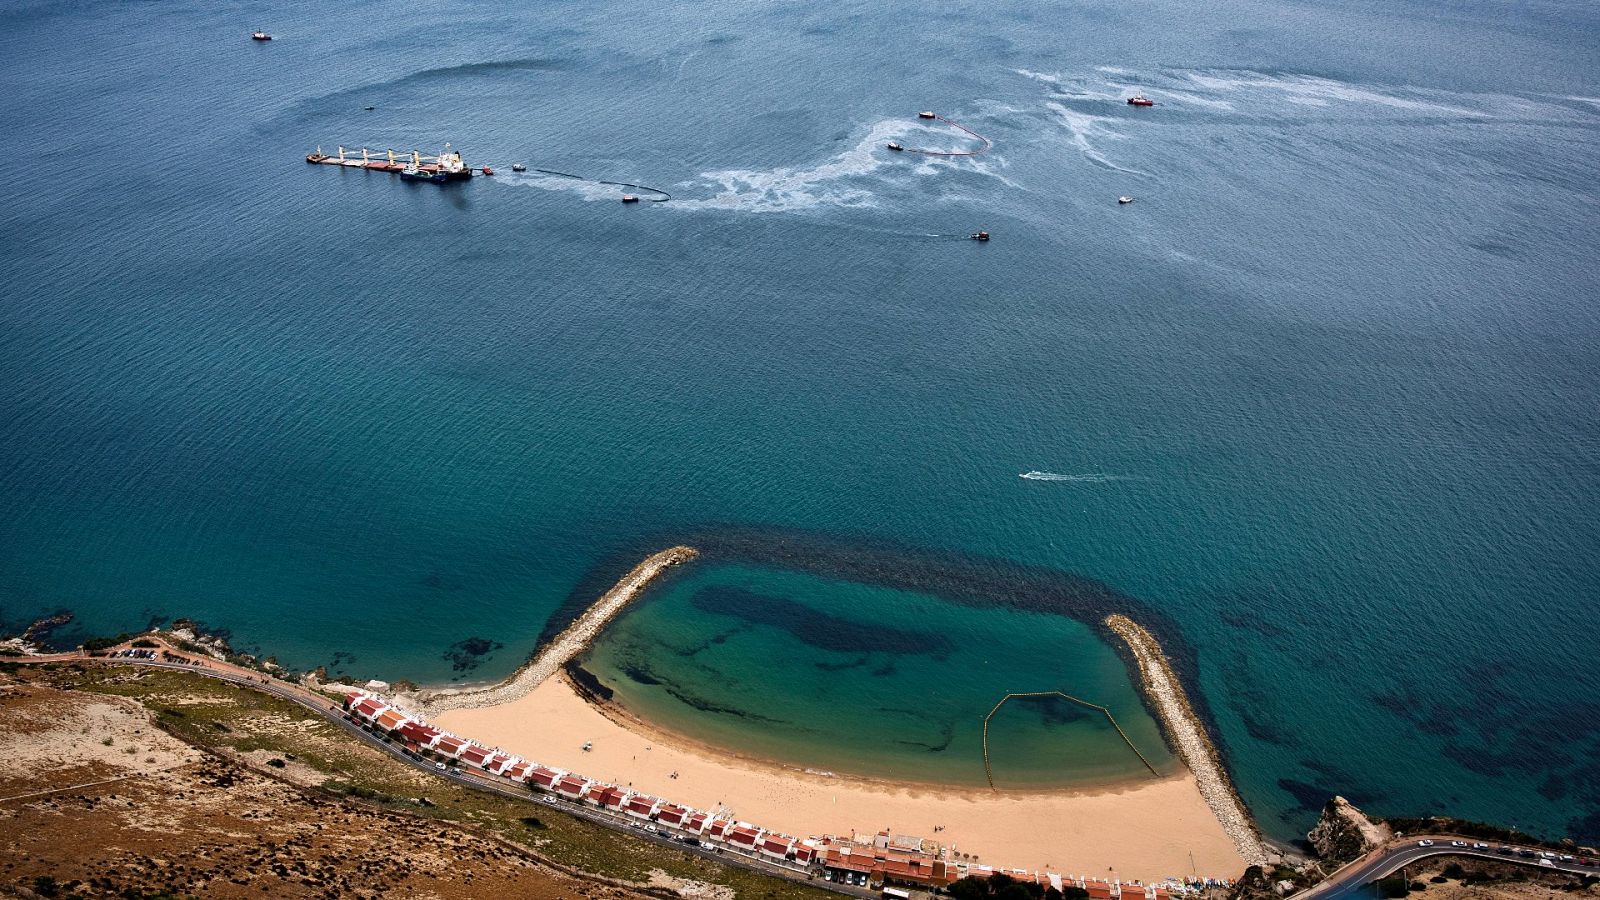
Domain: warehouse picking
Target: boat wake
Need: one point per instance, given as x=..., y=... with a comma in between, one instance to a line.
x=1084, y=478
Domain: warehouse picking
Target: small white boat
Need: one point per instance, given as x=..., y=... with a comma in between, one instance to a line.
x=1124, y=199
x=518, y=167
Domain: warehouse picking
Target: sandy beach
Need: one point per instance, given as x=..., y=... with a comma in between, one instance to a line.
x=1146, y=830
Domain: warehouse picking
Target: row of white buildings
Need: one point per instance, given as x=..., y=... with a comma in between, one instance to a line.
x=689, y=822
x=880, y=861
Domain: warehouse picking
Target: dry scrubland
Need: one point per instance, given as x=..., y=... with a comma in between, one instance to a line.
x=1477, y=879
x=126, y=783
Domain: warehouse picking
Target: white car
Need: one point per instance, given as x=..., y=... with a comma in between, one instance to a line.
x=1458, y=843
x=1424, y=843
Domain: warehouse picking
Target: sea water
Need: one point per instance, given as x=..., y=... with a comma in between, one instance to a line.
x=1322, y=396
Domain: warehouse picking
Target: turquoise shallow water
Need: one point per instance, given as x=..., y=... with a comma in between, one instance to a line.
x=838, y=675
x=1337, y=362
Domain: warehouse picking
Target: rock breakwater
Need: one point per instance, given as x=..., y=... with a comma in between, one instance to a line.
x=572, y=640
x=1189, y=738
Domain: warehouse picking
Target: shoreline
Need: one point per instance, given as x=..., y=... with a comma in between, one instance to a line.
x=687, y=743
x=1188, y=735
x=1146, y=830
x=573, y=640
x=559, y=720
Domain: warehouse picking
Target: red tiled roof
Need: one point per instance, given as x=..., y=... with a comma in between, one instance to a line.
x=475, y=754
x=570, y=784
x=718, y=827
x=542, y=776
x=672, y=813
x=520, y=770
x=695, y=822
x=743, y=835
x=607, y=795
x=640, y=803
x=804, y=853
x=499, y=759
x=922, y=870
x=449, y=744
x=389, y=718
x=418, y=732
x=775, y=844
x=833, y=859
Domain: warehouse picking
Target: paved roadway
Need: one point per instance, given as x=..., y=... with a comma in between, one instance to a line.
x=334, y=712
x=1390, y=858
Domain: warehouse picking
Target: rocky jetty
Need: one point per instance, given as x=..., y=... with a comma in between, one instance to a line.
x=1344, y=833
x=568, y=644
x=1189, y=738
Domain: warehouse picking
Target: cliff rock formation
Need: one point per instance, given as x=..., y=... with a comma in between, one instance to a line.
x=1344, y=833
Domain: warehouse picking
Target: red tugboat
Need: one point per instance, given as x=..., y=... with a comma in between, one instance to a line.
x=259, y=35
x=1140, y=100
x=980, y=235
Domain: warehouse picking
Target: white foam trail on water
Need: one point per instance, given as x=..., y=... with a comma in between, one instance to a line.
x=846, y=180
x=1082, y=127
x=683, y=64
x=1085, y=478
x=1311, y=90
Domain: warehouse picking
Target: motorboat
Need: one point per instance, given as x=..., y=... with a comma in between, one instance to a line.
x=1140, y=100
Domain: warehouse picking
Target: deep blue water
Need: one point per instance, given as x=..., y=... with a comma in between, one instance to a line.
x=1340, y=354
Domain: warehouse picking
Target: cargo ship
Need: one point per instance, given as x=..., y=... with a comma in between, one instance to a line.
x=446, y=167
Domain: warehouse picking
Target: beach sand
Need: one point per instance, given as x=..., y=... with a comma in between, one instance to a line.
x=1142, y=829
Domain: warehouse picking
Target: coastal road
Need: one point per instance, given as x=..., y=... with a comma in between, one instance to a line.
x=1397, y=854
x=334, y=712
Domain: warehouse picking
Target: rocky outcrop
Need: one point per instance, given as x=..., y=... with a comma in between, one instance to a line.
x=1344, y=833
x=1254, y=884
